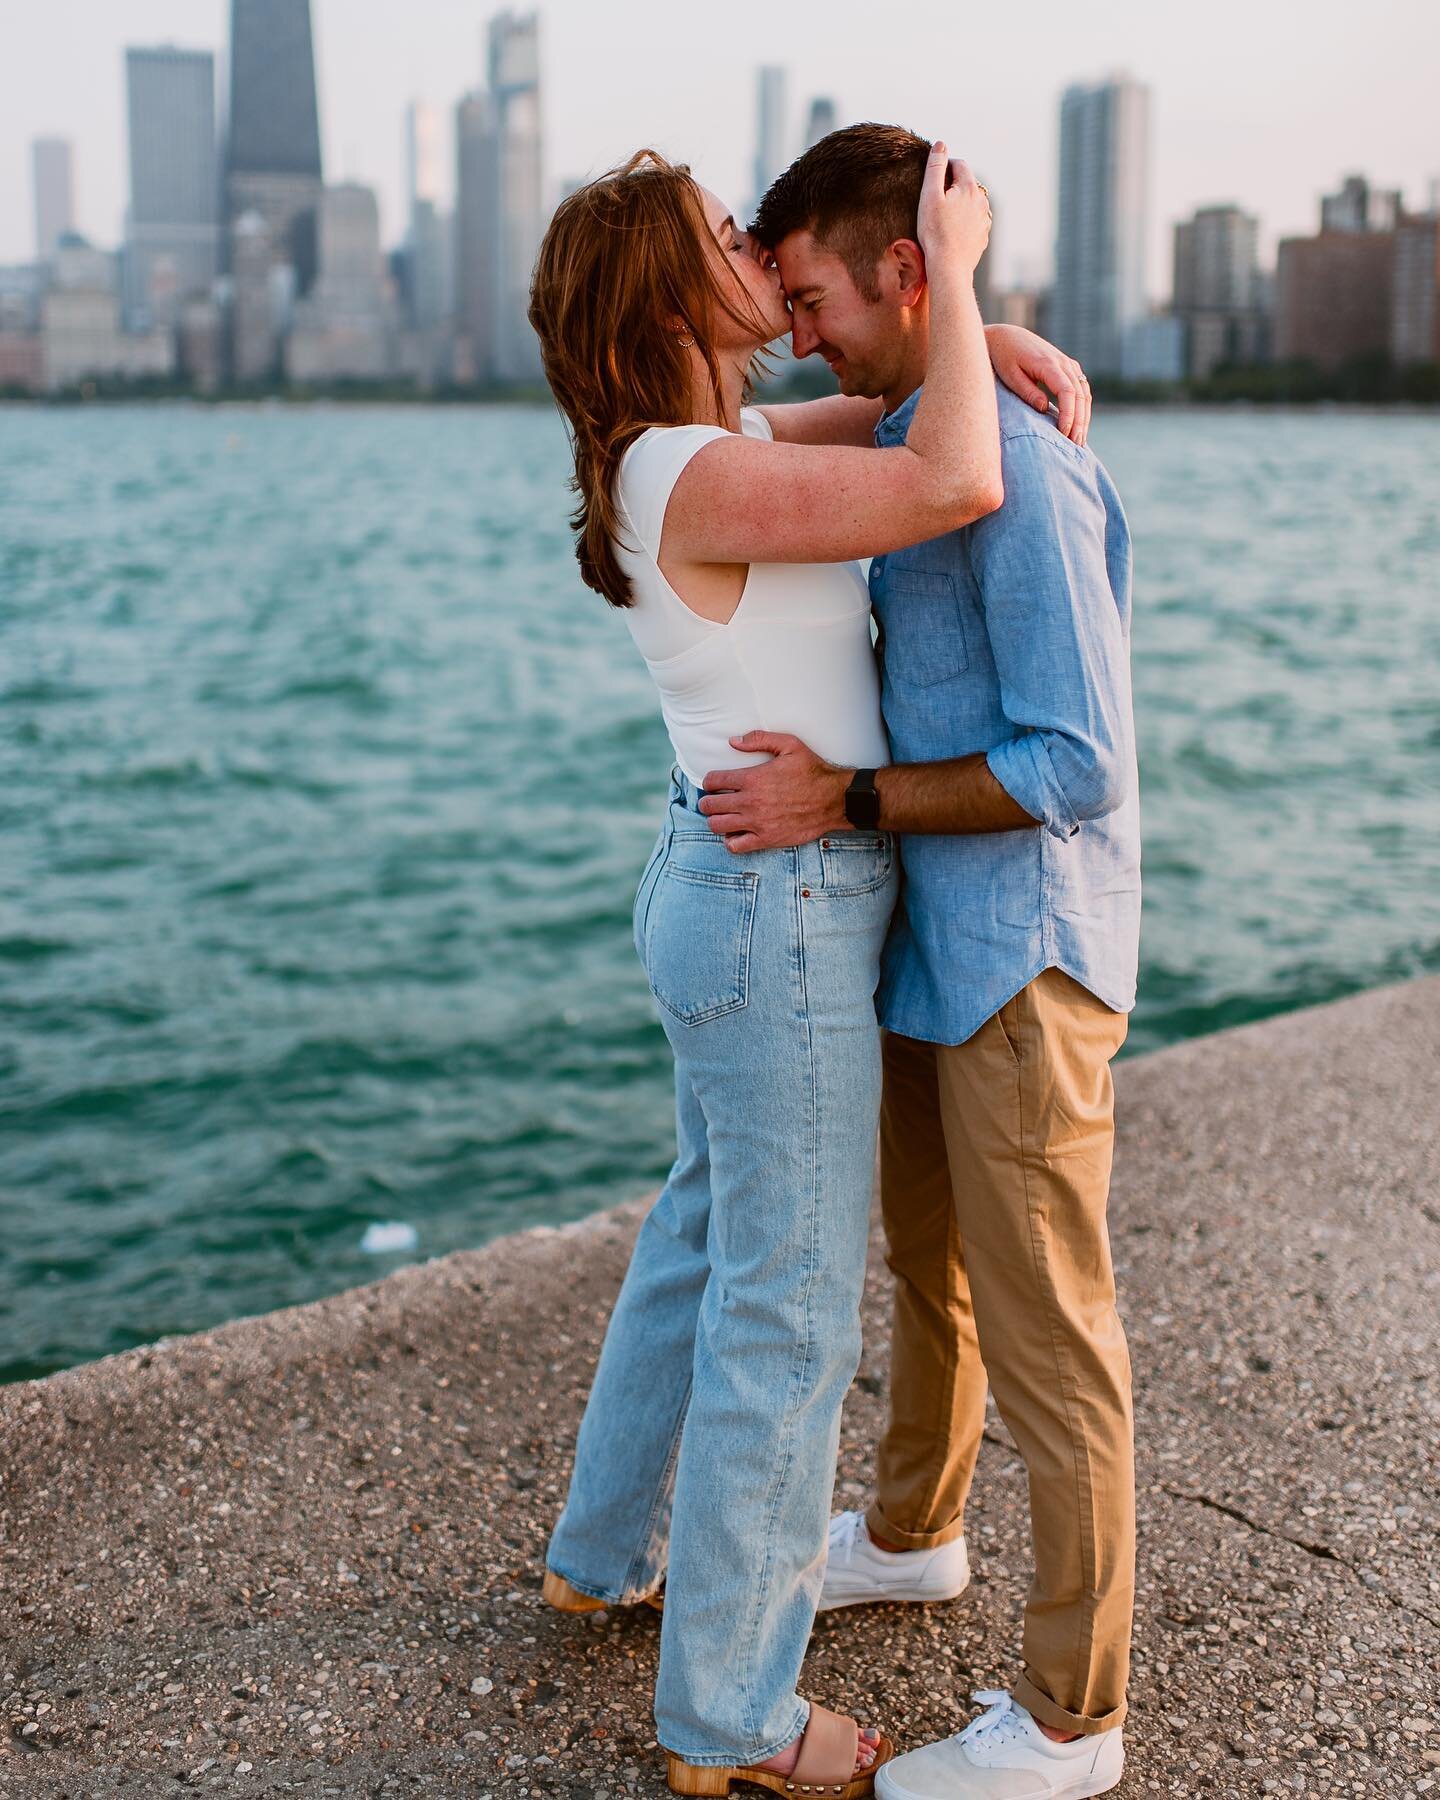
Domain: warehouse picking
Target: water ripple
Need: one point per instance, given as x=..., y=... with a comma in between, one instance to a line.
x=325, y=788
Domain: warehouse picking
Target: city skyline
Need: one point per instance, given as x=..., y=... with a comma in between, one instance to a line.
x=1344, y=104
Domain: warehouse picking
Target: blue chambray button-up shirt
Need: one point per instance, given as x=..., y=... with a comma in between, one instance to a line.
x=1012, y=637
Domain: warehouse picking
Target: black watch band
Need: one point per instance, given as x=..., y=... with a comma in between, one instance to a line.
x=862, y=803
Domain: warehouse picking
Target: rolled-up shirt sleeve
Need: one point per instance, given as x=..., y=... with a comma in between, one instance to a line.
x=1058, y=637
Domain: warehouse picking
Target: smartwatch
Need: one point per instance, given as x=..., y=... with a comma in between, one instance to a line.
x=862, y=803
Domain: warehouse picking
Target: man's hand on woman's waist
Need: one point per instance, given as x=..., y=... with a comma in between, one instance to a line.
x=793, y=799
x=797, y=797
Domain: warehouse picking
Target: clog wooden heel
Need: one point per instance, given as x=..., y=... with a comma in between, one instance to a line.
x=564, y=1598
x=824, y=1767
x=690, y=1778
x=567, y=1599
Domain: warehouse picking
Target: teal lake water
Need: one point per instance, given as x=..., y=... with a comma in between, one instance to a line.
x=325, y=786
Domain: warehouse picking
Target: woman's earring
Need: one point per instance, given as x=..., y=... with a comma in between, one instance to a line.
x=685, y=342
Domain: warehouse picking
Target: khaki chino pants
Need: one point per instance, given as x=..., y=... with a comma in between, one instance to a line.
x=994, y=1175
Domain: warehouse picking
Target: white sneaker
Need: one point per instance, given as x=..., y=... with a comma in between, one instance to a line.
x=857, y=1573
x=1004, y=1752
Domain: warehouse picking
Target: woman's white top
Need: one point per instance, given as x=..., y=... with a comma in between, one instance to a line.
x=795, y=656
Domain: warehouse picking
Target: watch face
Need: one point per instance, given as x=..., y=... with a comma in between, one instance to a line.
x=862, y=807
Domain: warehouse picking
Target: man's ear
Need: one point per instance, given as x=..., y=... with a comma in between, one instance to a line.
x=909, y=263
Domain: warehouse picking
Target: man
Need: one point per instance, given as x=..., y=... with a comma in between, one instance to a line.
x=1006, y=983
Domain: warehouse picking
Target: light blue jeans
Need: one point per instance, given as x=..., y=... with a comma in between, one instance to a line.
x=706, y=1457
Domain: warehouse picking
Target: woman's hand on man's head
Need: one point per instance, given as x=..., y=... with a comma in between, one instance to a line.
x=953, y=225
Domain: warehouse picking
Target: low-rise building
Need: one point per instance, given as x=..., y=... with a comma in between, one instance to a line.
x=22, y=361
x=1335, y=292
x=80, y=324
x=1334, y=296
x=201, y=348
x=1153, y=349
x=1017, y=306
x=345, y=328
x=82, y=340
x=22, y=287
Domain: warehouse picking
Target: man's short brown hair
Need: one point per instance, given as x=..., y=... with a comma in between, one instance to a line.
x=855, y=192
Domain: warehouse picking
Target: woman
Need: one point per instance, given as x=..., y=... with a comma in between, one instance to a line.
x=731, y=555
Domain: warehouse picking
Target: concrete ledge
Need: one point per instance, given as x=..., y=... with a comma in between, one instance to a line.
x=301, y=1553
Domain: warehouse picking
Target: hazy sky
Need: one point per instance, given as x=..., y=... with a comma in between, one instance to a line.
x=1253, y=100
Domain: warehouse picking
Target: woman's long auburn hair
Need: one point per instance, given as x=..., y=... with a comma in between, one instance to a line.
x=624, y=259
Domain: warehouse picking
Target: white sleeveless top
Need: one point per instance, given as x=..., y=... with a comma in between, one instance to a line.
x=795, y=656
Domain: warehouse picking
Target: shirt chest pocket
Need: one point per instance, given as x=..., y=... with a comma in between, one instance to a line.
x=925, y=640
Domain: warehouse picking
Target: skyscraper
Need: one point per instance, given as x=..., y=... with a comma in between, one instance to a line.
x=498, y=215
x=1217, y=260
x=272, y=160
x=1217, y=288
x=477, y=231
x=429, y=295
x=274, y=121
x=172, y=226
x=1415, y=303
x=770, y=155
x=1104, y=210
x=820, y=121
x=272, y=172
x=515, y=90
x=422, y=157
x=1360, y=207
x=54, y=173
x=425, y=258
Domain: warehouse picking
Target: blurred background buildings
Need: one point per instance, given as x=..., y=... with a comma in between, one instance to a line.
x=242, y=268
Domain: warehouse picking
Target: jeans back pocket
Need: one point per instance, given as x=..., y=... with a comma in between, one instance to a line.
x=697, y=941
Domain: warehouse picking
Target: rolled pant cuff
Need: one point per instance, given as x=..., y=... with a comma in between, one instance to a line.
x=879, y=1526
x=1040, y=1706
x=606, y=1596
x=739, y=1759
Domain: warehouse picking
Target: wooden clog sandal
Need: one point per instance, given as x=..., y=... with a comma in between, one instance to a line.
x=564, y=1598
x=824, y=1768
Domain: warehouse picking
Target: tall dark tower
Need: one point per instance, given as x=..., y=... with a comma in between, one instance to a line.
x=274, y=124
x=273, y=175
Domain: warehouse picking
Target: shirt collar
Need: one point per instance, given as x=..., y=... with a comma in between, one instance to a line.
x=892, y=427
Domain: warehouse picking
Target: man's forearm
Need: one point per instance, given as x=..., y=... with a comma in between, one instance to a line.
x=947, y=798
x=796, y=797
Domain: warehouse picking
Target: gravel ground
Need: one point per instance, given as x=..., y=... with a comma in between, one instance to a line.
x=301, y=1554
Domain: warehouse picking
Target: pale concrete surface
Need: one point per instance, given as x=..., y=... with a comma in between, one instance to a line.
x=302, y=1553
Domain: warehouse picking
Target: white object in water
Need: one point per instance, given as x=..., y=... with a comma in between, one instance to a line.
x=393, y=1234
